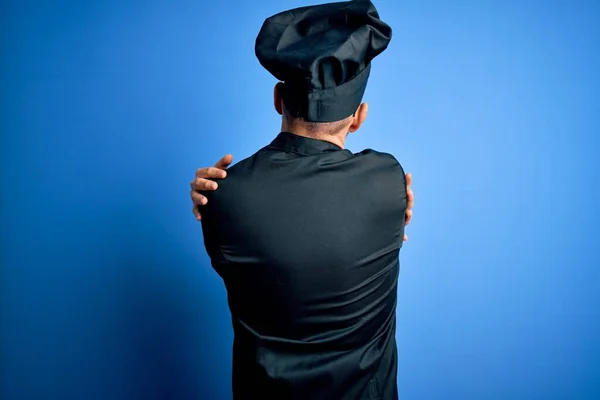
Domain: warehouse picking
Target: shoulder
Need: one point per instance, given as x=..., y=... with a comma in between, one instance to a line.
x=384, y=160
x=241, y=177
x=383, y=184
x=243, y=166
x=377, y=155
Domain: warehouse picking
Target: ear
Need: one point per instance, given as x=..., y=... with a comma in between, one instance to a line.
x=277, y=98
x=359, y=117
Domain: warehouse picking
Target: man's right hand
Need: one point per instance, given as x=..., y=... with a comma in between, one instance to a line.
x=204, y=181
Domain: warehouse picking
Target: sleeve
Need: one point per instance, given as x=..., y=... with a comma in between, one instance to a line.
x=398, y=191
x=210, y=235
x=402, y=203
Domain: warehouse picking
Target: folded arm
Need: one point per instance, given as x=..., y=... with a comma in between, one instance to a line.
x=206, y=177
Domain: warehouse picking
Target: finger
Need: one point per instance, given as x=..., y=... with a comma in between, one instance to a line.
x=224, y=162
x=406, y=238
x=407, y=217
x=410, y=196
x=197, y=213
x=210, y=172
x=203, y=184
x=198, y=199
x=408, y=179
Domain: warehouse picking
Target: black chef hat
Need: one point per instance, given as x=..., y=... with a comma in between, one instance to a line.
x=323, y=55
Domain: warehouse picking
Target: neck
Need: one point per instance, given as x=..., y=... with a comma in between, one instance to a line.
x=337, y=138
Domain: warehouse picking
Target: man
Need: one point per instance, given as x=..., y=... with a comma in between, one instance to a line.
x=306, y=235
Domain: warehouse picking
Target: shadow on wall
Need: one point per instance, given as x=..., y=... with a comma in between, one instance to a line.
x=174, y=325
x=109, y=306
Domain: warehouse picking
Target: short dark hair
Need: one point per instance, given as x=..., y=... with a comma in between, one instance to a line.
x=323, y=128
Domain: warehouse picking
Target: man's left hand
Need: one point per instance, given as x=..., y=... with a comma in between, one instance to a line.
x=410, y=202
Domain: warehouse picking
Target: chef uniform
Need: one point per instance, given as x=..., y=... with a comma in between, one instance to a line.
x=306, y=235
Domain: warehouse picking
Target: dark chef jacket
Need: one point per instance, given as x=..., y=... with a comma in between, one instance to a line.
x=306, y=237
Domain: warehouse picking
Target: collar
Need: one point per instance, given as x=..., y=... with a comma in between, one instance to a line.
x=302, y=145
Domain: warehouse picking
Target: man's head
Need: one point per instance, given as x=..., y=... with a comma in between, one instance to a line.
x=321, y=130
x=322, y=56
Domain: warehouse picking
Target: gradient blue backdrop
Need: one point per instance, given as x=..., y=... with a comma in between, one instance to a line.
x=108, y=107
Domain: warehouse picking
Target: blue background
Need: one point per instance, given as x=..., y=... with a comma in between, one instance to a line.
x=107, y=109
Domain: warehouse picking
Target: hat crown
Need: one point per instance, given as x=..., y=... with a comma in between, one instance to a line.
x=321, y=47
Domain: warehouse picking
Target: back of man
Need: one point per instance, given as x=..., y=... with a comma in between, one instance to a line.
x=306, y=237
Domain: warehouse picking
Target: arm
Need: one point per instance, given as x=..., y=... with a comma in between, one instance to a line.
x=205, y=177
